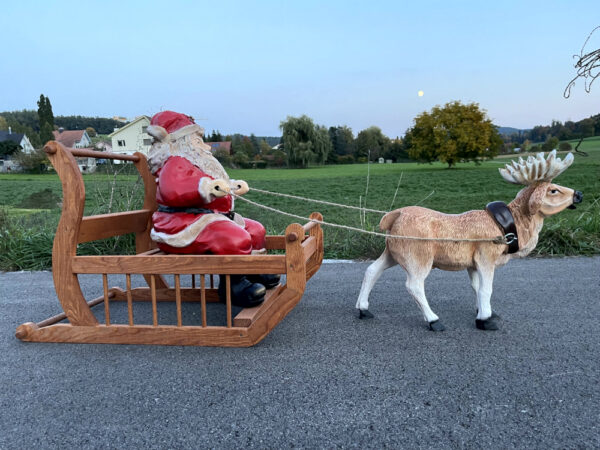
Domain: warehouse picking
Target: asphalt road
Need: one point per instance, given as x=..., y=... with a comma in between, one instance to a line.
x=323, y=378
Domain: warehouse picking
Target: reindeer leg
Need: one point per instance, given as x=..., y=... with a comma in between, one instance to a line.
x=475, y=285
x=485, y=318
x=372, y=274
x=415, y=283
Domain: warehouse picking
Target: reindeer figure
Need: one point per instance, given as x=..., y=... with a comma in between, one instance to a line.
x=520, y=223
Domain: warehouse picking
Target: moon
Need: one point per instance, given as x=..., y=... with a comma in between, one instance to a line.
x=420, y=93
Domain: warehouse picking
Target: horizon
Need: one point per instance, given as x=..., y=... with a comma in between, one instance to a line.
x=244, y=68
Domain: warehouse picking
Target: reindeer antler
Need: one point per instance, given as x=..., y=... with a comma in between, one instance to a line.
x=535, y=170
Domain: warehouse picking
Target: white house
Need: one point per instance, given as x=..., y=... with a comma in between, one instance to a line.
x=17, y=138
x=7, y=164
x=132, y=137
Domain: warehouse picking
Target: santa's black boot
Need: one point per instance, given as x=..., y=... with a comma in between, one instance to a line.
x=243, y=292
x=268, y=281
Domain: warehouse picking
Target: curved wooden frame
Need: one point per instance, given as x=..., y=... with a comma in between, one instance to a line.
x=302, y=259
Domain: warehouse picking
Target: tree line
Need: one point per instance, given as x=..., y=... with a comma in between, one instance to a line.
x=542, y=137
x=450, y=134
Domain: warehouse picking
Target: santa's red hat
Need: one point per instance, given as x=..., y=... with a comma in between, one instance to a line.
x=173, y=124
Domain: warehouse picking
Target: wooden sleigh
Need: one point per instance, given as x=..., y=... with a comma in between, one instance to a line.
x=303, y=247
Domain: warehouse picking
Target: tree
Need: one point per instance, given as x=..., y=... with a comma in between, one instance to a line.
x=255, y=144
x=45, y=114
x=265, y=148
x=304, y=142
x=8, y=148
x=35, y=161
x=3, y=123
x=454, y=133
x=372, y=141
x=342, y=140
x=91, y=132
x=550, y=144
x=46, y=119
x=46, y=133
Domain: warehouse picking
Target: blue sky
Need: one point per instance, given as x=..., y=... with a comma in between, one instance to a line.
x=245, y=66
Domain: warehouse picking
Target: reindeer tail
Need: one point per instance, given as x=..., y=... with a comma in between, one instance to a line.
x=388, y=220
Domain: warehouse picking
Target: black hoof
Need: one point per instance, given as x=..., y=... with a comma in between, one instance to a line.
x=487, y=324
x=493, y=316
x=364, y=314
x=436, y=326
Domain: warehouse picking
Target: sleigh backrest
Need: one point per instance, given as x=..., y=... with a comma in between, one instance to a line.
x=74, y=228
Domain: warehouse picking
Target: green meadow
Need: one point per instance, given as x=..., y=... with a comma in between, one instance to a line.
x=30, y=204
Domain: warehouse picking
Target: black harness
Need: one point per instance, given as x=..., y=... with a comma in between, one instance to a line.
x=504, y=218
x=174, y=209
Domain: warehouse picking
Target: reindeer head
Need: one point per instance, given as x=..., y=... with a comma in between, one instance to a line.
x=544, y=197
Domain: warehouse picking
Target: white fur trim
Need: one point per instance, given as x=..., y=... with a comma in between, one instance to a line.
x=189, y=234
x=205, y=186
x=188, y=129
x=157, y=132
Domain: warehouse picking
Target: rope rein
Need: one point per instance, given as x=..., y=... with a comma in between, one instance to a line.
x=497, y=240
x=278, y=194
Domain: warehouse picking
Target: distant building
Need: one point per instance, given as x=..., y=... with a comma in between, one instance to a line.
x=7, y=164
x=214, y=146
x=72, y=138
x=132, y=137
x=120, y=119
x=17, y=138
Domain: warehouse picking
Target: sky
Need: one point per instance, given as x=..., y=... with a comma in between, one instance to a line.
x=244, y=66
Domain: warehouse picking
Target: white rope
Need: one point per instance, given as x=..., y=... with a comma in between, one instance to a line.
x=278, y=194
x=496, y=240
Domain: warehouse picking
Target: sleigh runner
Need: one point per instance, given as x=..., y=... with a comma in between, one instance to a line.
x=303, y=246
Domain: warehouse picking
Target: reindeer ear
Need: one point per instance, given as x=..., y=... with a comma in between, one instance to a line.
x=536, y=198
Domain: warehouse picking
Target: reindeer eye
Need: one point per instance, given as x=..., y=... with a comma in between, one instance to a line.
x=554, y=191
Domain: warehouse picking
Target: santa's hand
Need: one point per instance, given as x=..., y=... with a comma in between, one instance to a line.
x=239, y=187
x=210, y=189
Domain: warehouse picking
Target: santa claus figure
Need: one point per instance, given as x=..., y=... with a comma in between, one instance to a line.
x=195, y=213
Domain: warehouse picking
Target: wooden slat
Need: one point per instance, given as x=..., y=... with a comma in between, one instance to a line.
x=275, y=243
x=62, y=316
x=129, y=298
x=106, y=304
x=138, y=334
x=248, y=315
x=310, y=247
x=153, y=295
x=182, y=264
x=104, y=226
x=228, y=299
x=203, y=299
x=188, y=295
x=309, y=226
x=178, y=299
x=80, y=152
x=193, y=281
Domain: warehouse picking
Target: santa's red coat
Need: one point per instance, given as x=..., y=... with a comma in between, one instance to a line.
x=207, y=233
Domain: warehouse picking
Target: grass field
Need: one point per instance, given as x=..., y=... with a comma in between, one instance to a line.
x=27, y=238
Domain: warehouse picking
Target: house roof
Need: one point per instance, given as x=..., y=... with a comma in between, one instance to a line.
x=68, y=138
x=15, y=137
x=134, y=121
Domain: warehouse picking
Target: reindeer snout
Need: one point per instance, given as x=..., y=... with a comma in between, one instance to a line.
x=577, y=198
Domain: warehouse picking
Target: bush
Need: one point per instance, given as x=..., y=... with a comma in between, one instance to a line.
x=345, y=159
x=564, y=146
